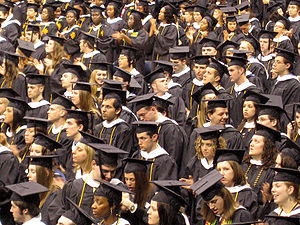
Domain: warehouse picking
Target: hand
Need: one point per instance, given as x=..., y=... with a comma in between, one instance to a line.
x=266, y=193
x=153, y=21
x=117, y=35
x=289, y=33
x=265, y=2
x=126, y=200
x=39, y=65
x=226, y=35
x=48, y=62
x=14, y=150
x=289, y=129
x=189, y=181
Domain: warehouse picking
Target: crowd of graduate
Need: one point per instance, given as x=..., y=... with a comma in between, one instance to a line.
x=149, y=112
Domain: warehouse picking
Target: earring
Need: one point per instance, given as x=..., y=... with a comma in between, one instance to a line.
x=111, y=211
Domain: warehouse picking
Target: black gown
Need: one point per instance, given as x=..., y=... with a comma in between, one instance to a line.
x=184, y=77
x=260, y=71
x=38, y=109
x=11, y=31
x=48, y=29
x=277, y=212
x=40, y=52
x=18, y=85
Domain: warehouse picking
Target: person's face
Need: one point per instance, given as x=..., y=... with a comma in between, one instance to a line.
x=123, y=61
x=256, y=146
x=217, y=13
x=235, y=73
x=209, y=51
x=297, y=119
x=72, y=127
x=100, y=207
x=298, y=48
x=153, y=216
x=109, y=112
x=79, y=154
x=65, y=221
x=140, y=8
x=2, y=106
x=146, y=115
x=161, y=15
x=130, y=22
x=3, y=15
x=264, y=44
x=16, y=212
x=280, y=192
x=108, y=172
x=207, y=149
x=209, y=76
x=293, y=10
x=70, y=18
x=31, y=13
x=110, y=11
x=49, y=47
x=45, y=14
x=278, y=161
x=245, y=28
x=279, y=27
x=145, y=141
x=249, y=110
x=265, y=120
x=204, y=25
x=220, y=116
x=279, y=66
x=66, y=80
x=216, y=205
x=231, y=25
x=160, y=85
x=130, y=181
x=54, y=112
x=9, y=115
x=228, y=174
x=188, y=16
x=96, y=17
x=57, y=12
x=29, y=135
x=34, y=90
x=82, y=45
x=27, y=35
x=100, y=74
x=180, y=65
x=32, y=173
x=244, y=46
x=36, y=150
x=197, y=17
x=75, y=97
x=199, y=70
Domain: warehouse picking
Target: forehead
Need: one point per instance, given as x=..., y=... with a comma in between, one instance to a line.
x=143, y=134
x=219, y=110
x=108, y=102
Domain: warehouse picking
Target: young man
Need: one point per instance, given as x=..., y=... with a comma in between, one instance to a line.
x=163, y=166
x=32, y=34
x=209, y=46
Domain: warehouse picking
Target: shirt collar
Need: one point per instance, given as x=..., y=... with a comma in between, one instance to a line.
x=155, y=153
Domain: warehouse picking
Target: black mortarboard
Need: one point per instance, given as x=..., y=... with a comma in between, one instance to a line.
x=8, y=92
x=209, y=185
x=156, y=74
x=204, y=90
x=33, y=6
x=78, y=115
x=179, y=52
x=33, y=27
x=162, y=103
x=165, y=65
x=144, y=126
x=113, y=86
x=294, y=2
x=141, y=14
x=290, y=56
x=226, y=45
x=229, y=155
x=116, y=3
x=95, y=8
x=287, y=175
x=286, y=23
x=243, y=6
x=292, y=149
x=88, y=37
x=77, y=71
x=237, y=61
x=106, y=188
x=83, y=86
x=286, y=220
x=51, y=6
x=26, y=47
x=219, y=66
x=143, y=100
x=14, y=57
x=216, y=103
x=88, y=138
x=253, y=41
x=62, y=100
x=74, y=10
x=172, y=5
x=123, y=74
x=201, y=59
x=211, y=132
x=273, y=6
x=57, y=39
x=267, y=34
x=133, y=165
x=143, y=3
x=128, y=51
x=170, y=183
x=230, y=10
x=273, y=107
x=189, y=8
x=18, y=104
x=243, y=19
x=240, y=53
x=212, y=21
x=27, y=192
x=199, y=8
x=47, y=142
x=36, y=79
x=208, y=42
x=268, y=132
x=42, y=160
x=101, y=65
x=231, y=19
x=4, y=8
x=36, y=122
x=255, y=97
x=79, y=216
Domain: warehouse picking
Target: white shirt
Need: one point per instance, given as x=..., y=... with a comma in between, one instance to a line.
x=34, y=221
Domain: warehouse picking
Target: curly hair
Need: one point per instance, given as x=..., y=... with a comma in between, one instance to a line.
x=11, y=72
x=216, y=143
x=58, y=54
x=169, y=14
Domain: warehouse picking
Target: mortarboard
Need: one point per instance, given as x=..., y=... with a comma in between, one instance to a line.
x=267, y=34
x=143, y=3
x=133, y=165
x=88, y=37
x=199, y=8
x=179, y=52
x=57, y=39
x=4, y=8
x=14, y=57
x=216, y=103
x=165, y=65
x=18, y=104
x=255, y=97
x=231, y=19
x=292, y=149
x=27, y=192
x=209, y=185
x=26, y=47
x=208, y=42
x=286, y=23
x=212, y=21
x=8, y=92
x=101, y=65
x=143, y=100
x=51, y=6
x=219, y=66
x=113, y=86
x=237, y=61
x=47, y=142
x=107, y=188
x=226, y=45
x=36, y=79
x=116, y=3
x=243, y=19
x=273, y=107
x=268, y=132
x=243, y=6
x=33, y=6
x=83, y=86
x=144, y=126
x=286, y=175
x=273, y=6
x=74, y=10
x=123, y=74
x=229, y=10
x=43, y=160
x=95, y=8
x=204, y=90
x=286, y=220
x=201, y=59
x=246, y=223
x=295, y=2
x=141, y=14
x=128, y=51
x=62, y=100
x=172, y=5
x=162, y=103
x=77, y=71
x=88, y=138
x=33, y=27
x=156, y=74
x=211, y=132
x=253, y=41
x=290, y=56
x=36, y=122
x=229, y=155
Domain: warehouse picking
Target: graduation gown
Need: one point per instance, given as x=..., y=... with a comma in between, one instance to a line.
x=48, y=28
x=247, y=132
x=92, y=57
x=11, y=31
x=38, y=109
x=128, y=116
x=44, y=209
x=183, y=77
x=18, y=85
x=117, y=24
x=284, y=42
x=175, y=89
x=278, y=212
x=196, y=47
x=267, y=61
x=140, y=79
x=18, y=138
x=257, y=68
x=5, y=45
x=40, y=52
x=188, y=90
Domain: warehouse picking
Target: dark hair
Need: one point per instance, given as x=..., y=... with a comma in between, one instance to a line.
x=238, y=173
x=117, y=100
x=272, y=118
x=137, y=22
x=84, y=122
x=287, y=161
x=285, y=61
x=169, y=14
x=116, y=9
x=33, y=209
x=168, y=215
x=17, y=118
x=51, y=15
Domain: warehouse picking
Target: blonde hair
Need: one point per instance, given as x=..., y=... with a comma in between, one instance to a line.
x=58, y=54
x=95, y=87
x=216, y=143
x=87, y=164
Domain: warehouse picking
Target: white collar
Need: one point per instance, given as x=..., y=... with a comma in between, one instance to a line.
x=69, y=30
x=95, y=28
x=196, y=26
x=4, y=149
x=9, y=133
x=295, y=19
x=129, y=5
x=286, y=77
x=35, y=105
x=254, y=60
x=173, y=84
x=46, y=23
x=266, y=58
x=128, y=110
x=162, y=119
x=256, y=162
x=253, y=19
x=243, y=86
x=205, y=164
x=8, y=22
x=281, y=38
x=38, y=44
x=146, y=19
x=166, y=96
x=237, y=188
x=2, y=39
x=113, y=123
x=78, y=174
x=87, y=178
x=282, y=213
x=155, y=153
x=134, y=72
x=90, y=54
x=114, y=20
x=85, y=16
x=34, y=220
x=55, y=130
x=68, y=94
x=186, y=69
x=249, y=125
x=165, y=25
x=198, y=82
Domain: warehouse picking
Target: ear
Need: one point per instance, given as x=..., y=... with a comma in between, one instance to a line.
x=154, y=137
x=80, y=127
x=290, y=190
x=217, y=78
x=25, y=211
x=274, y=122
x=209, y=115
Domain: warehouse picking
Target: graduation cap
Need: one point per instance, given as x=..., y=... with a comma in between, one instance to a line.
x=145, y=126
x=208, y=42
x=237, y=61
x=50, y=6
x=62, y=100
x=108, y=189
x=33, y=6
x=179, y=52
x=267, y=34
x=156, y=74
x=229, y=155
x=14, y=57
x=246, y=223
x=77, y=71
x=273, y=6
x=165, y=65
x=141, y=14
x=172, y=5
x=116, y=3
x=255, y=97
x=170, y=183
x=227, y=45
x=211, y=132
x=243, y=19
x=229, y=10
x=133, y=165
x=18, y=104
x=79, y=216
x=27, y=192
x=36, y=79
x=294, y=2
x=199, y=8
x=43, y=160
x=230, y=19
x=209, y=185
x=243, y=6
x=286, y=175
x=113, y=86
x=216, y=103
x=123, y=74
x=8, y=92
x=143, y=3
x=212, y=21
x=74, y=10
x=88, y=138
x=204, y=90
x=26, y=47
x=290, y=56
x=143, y=100
x=292, y=149
x=78, y=115
x=268, y=132
x=273, y=107
x=95, y=8
x=286, y=220
x=57, y=39
x=286, y=23
x=101, y=65
x=253, y=41
x=4, y=8
x=128, y=51
x=88, y=37
x=83, y=86
x=33, y=27
x=219, y=66
x=201, y=59
x=47, y=142
x=162, y=103
x=36, y=122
